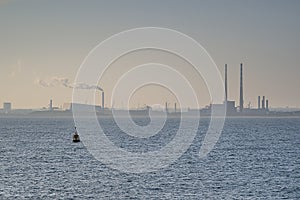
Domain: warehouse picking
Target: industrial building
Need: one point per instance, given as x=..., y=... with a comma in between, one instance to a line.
x=6, y=107
x=69, y=106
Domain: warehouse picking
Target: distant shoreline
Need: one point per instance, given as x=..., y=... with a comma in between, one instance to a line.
x=69, y=114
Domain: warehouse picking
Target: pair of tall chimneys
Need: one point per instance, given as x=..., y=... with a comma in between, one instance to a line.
x=167, y=109
x=241, y=88
x=264, y=103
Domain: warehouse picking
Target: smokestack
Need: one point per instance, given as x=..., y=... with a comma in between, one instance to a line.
x=258, y=102
x=226, y=92
x=267, y=105
x=51, y=105
x=175, y=107
x=263, y=103
x=241, y=90
x=166, y=107
x=102, y=99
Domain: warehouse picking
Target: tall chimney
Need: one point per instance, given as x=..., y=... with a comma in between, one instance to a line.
x=175, y=107
x=226, y=88
x=258, y=102
x=241, y=90
x=51, y=105
x=166, y=107
x=102, y=99
x=267, y=105
x=263, y=103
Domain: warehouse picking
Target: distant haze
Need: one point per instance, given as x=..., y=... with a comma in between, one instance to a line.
x=43, y=43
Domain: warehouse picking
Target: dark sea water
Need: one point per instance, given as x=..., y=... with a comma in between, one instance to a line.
x=254, y=158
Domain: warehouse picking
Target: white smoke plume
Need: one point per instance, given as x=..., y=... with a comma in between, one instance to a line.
x=65, y=82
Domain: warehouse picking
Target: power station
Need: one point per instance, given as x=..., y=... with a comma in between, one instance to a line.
x=231, y=109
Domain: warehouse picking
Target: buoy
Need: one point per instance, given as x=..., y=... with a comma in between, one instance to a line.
x=76, y=136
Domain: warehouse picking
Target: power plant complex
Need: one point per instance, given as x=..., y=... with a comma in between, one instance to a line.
x=231, y=109
x=228, y=106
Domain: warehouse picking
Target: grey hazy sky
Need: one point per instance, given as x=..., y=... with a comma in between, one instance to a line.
x=44, y=39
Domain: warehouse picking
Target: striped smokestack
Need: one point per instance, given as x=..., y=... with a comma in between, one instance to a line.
x=102, y=99
x=226, y=92
x=241, y=90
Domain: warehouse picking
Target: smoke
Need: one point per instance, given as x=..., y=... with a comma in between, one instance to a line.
x=65, y=82
x=54, y=82
x=85, y=86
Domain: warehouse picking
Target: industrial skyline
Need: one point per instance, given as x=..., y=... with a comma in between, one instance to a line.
x=231, y=108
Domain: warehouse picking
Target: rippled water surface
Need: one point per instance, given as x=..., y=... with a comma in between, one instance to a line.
x=253, y=159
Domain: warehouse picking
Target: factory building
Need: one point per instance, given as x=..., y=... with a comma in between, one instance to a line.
x=84, y=107
x=6, y=107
